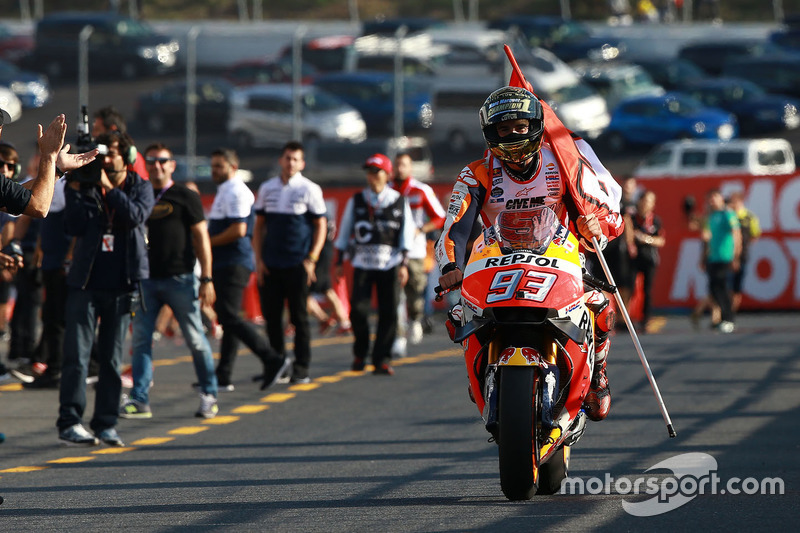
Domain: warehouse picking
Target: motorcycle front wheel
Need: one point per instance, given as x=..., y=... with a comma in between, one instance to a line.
x=519, y=408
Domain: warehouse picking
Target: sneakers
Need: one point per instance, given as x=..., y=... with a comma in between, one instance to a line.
x=598, y=402
x=344, y=328
x=399, y=347
x=384, y=369
x=134, y=409
x=300, y=375
x=110, y=437
x=358, y=365
x=724, y=327
x=274, y=368
x=45, y=381
x=27, y=373
x=208, y=406
x=77, y=435
x=415, y=332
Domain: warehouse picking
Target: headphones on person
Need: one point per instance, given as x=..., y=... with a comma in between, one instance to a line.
x=17, y=165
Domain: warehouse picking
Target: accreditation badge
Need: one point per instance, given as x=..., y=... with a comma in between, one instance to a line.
x=108, y=242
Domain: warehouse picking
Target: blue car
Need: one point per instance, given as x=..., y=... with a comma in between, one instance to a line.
x=568, y=39
x=32, y=89
x=649, y=120
x=372, y=94
x=756, y=110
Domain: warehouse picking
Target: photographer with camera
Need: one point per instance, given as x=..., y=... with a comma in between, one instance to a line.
x=106, y=210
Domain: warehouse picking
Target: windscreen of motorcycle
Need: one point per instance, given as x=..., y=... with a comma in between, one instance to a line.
x=530, y=230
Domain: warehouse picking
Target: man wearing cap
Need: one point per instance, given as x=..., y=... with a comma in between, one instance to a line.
x=288, y=237
x=376, y=232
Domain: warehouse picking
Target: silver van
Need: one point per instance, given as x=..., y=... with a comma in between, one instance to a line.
x=708, y=157
x=262, y=116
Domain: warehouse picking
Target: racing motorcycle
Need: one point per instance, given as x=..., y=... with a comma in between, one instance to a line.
x=527, y=332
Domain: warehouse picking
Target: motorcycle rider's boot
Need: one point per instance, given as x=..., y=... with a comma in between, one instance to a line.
x=598, y=402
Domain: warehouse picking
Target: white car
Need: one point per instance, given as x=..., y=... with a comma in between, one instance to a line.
x=262, y=116
x=11, y=103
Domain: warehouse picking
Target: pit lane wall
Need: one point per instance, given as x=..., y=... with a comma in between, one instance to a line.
x=772, y=271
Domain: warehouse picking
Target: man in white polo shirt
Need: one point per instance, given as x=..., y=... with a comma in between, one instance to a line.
x=288, y=237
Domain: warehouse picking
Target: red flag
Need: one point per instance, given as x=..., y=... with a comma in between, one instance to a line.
x=565, y=151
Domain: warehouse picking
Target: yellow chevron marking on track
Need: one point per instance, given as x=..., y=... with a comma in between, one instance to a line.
x=24, y=469
x=152, y=441
x=328, y=379
x=220, y=420
x=11, y=387
x=250, y=409
x=71, y=460
x=278, y=397
x=187, y=430
x=305, y=386
x=111, y=451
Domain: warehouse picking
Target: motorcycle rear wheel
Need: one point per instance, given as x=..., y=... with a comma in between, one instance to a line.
x=519, y=405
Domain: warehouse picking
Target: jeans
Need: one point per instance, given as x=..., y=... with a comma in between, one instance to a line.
x=180, y=294
x=230, y=282
x=83, y=309
x=282, y=285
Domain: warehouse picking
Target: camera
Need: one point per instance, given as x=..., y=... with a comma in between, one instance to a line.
x=87, y=174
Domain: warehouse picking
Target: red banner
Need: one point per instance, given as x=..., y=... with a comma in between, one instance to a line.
x=772, y=277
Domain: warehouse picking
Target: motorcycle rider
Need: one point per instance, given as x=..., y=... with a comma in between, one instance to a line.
x=520, y=171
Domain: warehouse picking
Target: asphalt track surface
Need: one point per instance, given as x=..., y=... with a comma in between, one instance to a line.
x=358, y=452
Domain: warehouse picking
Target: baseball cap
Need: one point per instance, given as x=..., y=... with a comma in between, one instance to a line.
x=379, y=161
x=5, y=118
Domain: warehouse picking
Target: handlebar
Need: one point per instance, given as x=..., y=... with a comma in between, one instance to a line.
x=440, y=292
x=597, y=283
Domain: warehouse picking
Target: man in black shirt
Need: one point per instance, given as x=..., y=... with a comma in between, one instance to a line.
x=177, y=236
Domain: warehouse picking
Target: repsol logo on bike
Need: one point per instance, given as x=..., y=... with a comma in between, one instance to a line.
x=512, y=259
x=524, y=203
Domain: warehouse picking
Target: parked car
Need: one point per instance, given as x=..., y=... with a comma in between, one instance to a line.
x=165, y=108
x=32, y=89
x=267, y=70
x=708, y=157
x=569, y=39
x=712, y=55
x=332, y=53
x=777, y=74
x=13, y=47
x=755, y=109
x=118, y=45
x=372, y=93
x=650, y=120
x=616, y=81
x=262, y=116
x=10, y=102
x=673, y=74
x=578, y=105
x=389, y=27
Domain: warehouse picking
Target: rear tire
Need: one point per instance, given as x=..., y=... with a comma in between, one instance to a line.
x=553, y=472
x=518, y=422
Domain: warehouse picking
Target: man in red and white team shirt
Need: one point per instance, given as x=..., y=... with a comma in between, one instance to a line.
x=428, y=215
